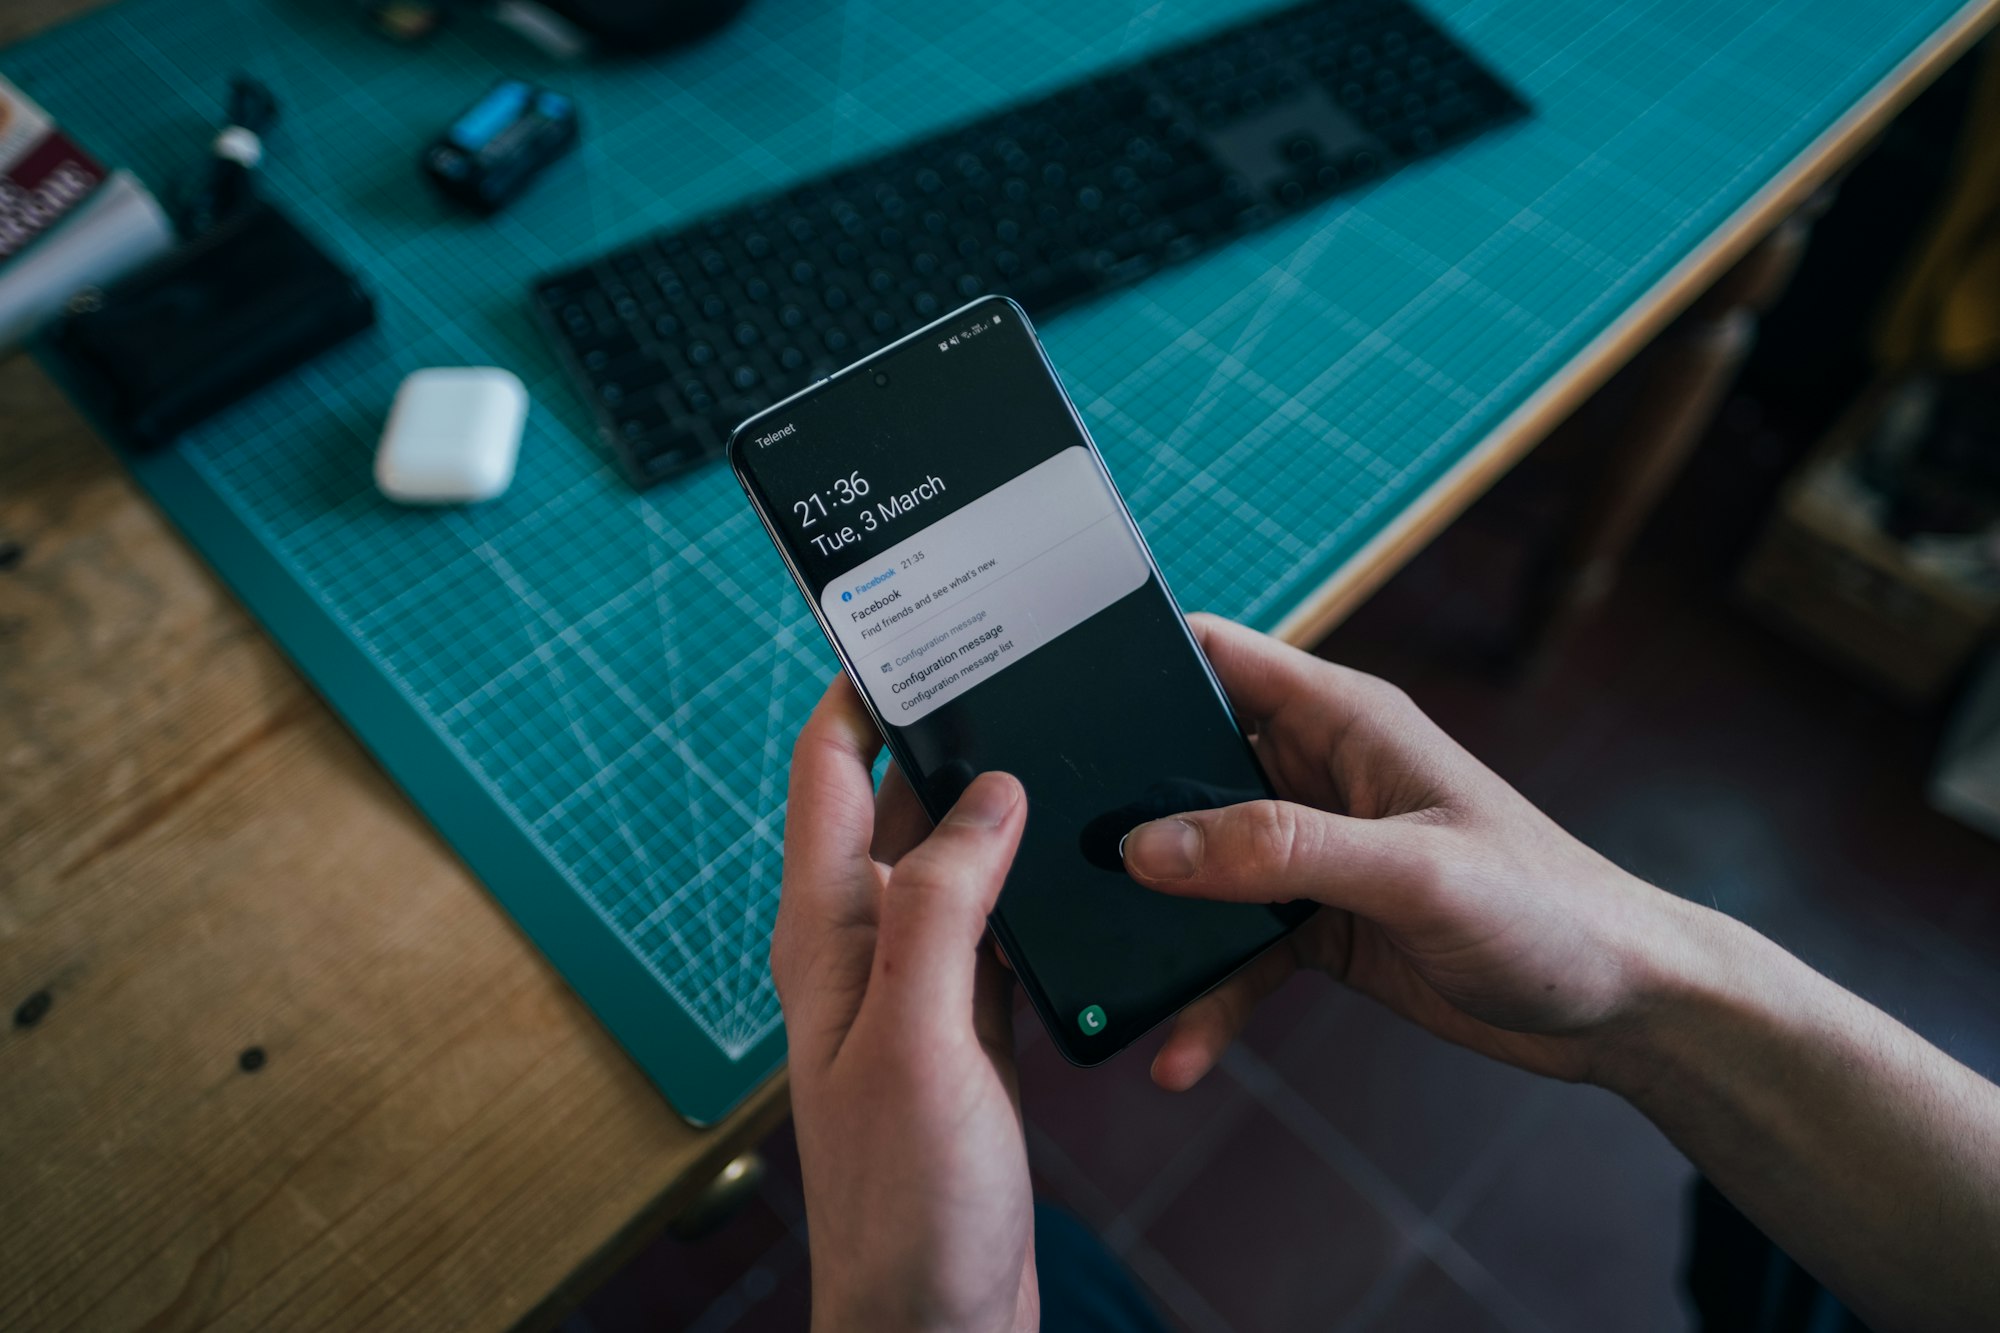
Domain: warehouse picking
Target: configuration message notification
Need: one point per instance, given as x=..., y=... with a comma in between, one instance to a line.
x=986, y=585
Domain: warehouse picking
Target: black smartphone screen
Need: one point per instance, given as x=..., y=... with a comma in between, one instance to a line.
x=947, y=514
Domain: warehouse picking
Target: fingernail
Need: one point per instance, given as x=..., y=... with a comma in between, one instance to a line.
x=987, y=802
x=1164, y=849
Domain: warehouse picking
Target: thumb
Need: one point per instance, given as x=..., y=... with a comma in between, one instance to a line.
x=1276, y=851
x=934, y=908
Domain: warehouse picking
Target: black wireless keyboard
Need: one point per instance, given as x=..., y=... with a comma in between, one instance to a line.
x=677, y=338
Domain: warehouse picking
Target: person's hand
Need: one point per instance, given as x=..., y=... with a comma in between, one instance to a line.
x=1446, y=895
x=902, y=1043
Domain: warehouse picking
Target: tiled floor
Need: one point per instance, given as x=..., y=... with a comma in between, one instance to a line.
x=1344, y=1171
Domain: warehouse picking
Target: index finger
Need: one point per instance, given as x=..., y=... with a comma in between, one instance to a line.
x=830, y=808
x=1262, y=675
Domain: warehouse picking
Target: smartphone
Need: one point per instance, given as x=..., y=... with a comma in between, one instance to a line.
x=948, y=518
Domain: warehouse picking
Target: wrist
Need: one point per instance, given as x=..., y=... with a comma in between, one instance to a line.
x=875, y=1316
x=1686, y=969
x=855, y=1303
x=851, y=1293
x=838, y=1308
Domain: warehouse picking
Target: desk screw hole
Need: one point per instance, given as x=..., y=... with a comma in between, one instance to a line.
x=33, y=1009
x=251, y=1060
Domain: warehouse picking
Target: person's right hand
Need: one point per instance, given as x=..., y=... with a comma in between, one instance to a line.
x=1446, y=895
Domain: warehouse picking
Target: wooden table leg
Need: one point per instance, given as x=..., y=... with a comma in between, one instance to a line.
x=1681, y=381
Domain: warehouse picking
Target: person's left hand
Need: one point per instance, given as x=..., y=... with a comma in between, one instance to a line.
x=902, y=1043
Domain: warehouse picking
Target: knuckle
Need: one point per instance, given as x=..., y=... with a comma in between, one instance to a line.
x=927, y=890
x=1389, y=696
x=1274, y=833
x=1235, y=1005
x=783, y=985
x=923, y=871
x=782, y=952
x=1426, y=883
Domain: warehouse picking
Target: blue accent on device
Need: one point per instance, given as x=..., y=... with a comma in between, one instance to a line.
x=498, y=146
x=500, y=108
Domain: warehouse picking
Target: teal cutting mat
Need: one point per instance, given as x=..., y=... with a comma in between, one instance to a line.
x=591, y=692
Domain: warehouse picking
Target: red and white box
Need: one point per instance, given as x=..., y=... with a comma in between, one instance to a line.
x=43, y=174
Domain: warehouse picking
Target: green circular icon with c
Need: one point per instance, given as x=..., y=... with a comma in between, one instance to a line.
x=1091, y=1020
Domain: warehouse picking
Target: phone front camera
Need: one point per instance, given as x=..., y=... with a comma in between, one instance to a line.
x=881, y=379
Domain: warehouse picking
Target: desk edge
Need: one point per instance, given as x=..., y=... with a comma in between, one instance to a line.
x=1450, y=495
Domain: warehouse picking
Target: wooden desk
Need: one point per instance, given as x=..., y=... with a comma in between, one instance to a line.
x=274, y=1057
x=197, y=861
